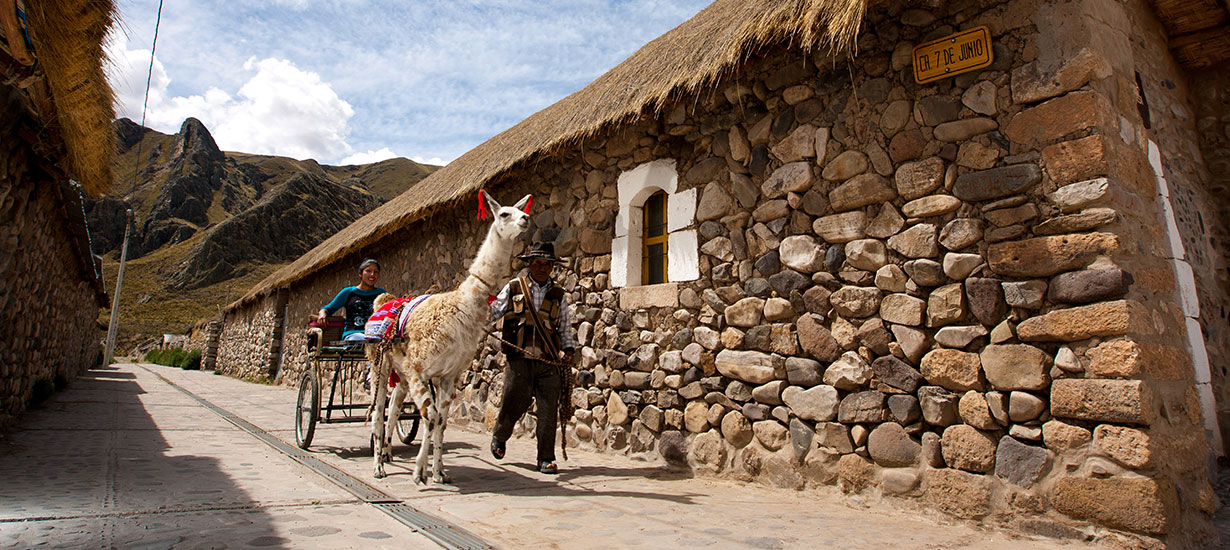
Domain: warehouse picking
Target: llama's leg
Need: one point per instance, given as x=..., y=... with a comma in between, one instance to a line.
x=426, y=403
x=378, y=428
x=393, y=419
x=445, y=395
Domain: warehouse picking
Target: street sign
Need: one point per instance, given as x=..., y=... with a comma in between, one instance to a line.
x=952, y=55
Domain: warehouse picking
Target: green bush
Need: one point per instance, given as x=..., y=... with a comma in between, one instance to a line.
x=192, y=360
x=175, y=357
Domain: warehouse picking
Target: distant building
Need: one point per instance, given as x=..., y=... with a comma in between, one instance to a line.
x=55, y=123
x=1002, y=294
x=173, y=341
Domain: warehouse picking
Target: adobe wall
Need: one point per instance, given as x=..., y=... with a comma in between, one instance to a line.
x=959, y=295
x=48, y=313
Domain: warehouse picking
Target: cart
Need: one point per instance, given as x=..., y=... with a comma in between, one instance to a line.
x=344, y=366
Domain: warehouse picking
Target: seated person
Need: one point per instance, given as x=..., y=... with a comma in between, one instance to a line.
x=357, y=300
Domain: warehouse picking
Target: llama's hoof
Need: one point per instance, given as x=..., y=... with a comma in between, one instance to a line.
x=420, y=477
x=442, y=479
x=379, y=473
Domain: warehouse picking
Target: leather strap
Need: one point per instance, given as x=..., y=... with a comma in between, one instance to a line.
x=547, y=342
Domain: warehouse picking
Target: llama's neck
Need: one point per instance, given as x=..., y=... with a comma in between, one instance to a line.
x=490, y=267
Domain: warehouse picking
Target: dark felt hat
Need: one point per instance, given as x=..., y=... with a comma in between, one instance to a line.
x=540, y=251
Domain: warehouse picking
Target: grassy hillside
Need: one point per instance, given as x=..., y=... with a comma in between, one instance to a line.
x=211, y=224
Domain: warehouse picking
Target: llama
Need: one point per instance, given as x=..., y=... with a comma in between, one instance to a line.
x=440, y=338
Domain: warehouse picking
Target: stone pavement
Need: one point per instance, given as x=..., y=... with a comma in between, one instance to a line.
x=123, y=459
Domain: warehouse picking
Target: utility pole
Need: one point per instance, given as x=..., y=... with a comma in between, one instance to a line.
x=113, y=326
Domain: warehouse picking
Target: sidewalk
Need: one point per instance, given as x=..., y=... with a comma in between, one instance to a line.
x=123, y=459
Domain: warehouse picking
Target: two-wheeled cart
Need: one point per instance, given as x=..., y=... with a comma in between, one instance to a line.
x=344, y=366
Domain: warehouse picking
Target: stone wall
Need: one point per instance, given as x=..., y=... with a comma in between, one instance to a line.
x=48, y=307
x=1208, y=217
x=957, y=294
x=243, y=346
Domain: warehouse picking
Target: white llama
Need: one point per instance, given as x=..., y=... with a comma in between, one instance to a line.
x=439, y=341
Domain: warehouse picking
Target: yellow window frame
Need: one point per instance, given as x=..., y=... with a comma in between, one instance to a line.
x=647, y=241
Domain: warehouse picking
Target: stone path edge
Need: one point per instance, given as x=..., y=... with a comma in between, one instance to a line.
x=441, y=531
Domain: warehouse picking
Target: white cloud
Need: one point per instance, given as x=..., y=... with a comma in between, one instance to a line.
x=280, y=110
x=369, y=157
x=433, y=160
x=430, y=80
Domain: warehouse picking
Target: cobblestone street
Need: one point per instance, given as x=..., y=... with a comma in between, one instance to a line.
x=125, y=459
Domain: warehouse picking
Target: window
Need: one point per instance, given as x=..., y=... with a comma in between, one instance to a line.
x=655, y=228
x=654, y=247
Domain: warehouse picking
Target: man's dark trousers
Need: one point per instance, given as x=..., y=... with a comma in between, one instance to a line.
x=525, y=379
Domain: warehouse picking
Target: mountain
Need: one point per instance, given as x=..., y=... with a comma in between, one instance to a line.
x=211, y=223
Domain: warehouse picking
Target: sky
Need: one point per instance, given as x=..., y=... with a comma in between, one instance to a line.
x=353, y=81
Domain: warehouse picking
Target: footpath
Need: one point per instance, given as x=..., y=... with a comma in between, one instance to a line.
x=145, y=456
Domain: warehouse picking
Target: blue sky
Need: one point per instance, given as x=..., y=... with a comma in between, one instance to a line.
x=352, y=81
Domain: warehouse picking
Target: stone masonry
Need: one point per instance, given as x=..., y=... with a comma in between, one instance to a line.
x=48, y=305
x=955, y=294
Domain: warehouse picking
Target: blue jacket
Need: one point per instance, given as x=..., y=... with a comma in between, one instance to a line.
x=358, y=304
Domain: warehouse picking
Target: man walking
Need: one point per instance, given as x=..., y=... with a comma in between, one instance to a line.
x=537, y=339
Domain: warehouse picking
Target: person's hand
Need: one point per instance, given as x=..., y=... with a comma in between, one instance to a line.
x=569, y=355
x=320, y=317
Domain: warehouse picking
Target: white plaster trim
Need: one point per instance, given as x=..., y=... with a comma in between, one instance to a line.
x=1189, y=300
x=683, y=250
x=1200, y=355
x=619, y=262
x=1185, y=279
x=680, y=210
x=637, y=184
x=683, y=256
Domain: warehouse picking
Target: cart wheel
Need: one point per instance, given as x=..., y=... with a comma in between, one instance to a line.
x=307, y=410
x=407, y=435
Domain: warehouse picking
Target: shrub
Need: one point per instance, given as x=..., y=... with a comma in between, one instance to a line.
x=192, y=360
x=175, y=357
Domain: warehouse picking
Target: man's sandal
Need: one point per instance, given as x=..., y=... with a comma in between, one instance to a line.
x=497, y=448
x=548, y=467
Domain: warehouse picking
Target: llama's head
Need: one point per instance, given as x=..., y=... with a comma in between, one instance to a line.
x=509, y=221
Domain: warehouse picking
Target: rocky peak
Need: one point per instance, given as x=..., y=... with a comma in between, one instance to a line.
x=196, y=143
x=127, y=134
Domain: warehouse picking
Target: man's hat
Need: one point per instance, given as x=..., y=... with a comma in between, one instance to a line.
x=540, y=251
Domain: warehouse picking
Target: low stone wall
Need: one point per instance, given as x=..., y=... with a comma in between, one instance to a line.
x=244, y=343
x=48, y=310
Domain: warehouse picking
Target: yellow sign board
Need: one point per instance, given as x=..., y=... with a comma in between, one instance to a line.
x=952, y=55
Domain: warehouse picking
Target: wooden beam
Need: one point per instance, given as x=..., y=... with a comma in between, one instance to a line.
x=1202, y=48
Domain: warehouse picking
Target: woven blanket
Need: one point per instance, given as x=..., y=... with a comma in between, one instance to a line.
x=391, y=315
x=405, y=312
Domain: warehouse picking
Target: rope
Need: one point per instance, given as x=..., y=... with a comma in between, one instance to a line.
x=564, y=409
x=149, y=77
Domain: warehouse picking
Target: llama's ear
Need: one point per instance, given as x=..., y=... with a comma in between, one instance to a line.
x=493, y=206
x=524, y=204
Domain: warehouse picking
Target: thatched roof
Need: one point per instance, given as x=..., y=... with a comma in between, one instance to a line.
x=73, y=99
x=1198, y=30
x=691, y=56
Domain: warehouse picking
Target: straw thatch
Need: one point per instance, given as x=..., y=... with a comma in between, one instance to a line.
x=68, y=45
x=683, y=61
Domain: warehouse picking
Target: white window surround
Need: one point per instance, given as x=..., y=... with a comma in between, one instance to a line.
x=635, y=186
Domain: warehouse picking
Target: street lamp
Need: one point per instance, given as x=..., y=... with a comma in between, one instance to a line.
x=112, y=326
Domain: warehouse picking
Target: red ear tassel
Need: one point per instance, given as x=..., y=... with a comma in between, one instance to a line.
x=482, y=207
x=528, y=204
